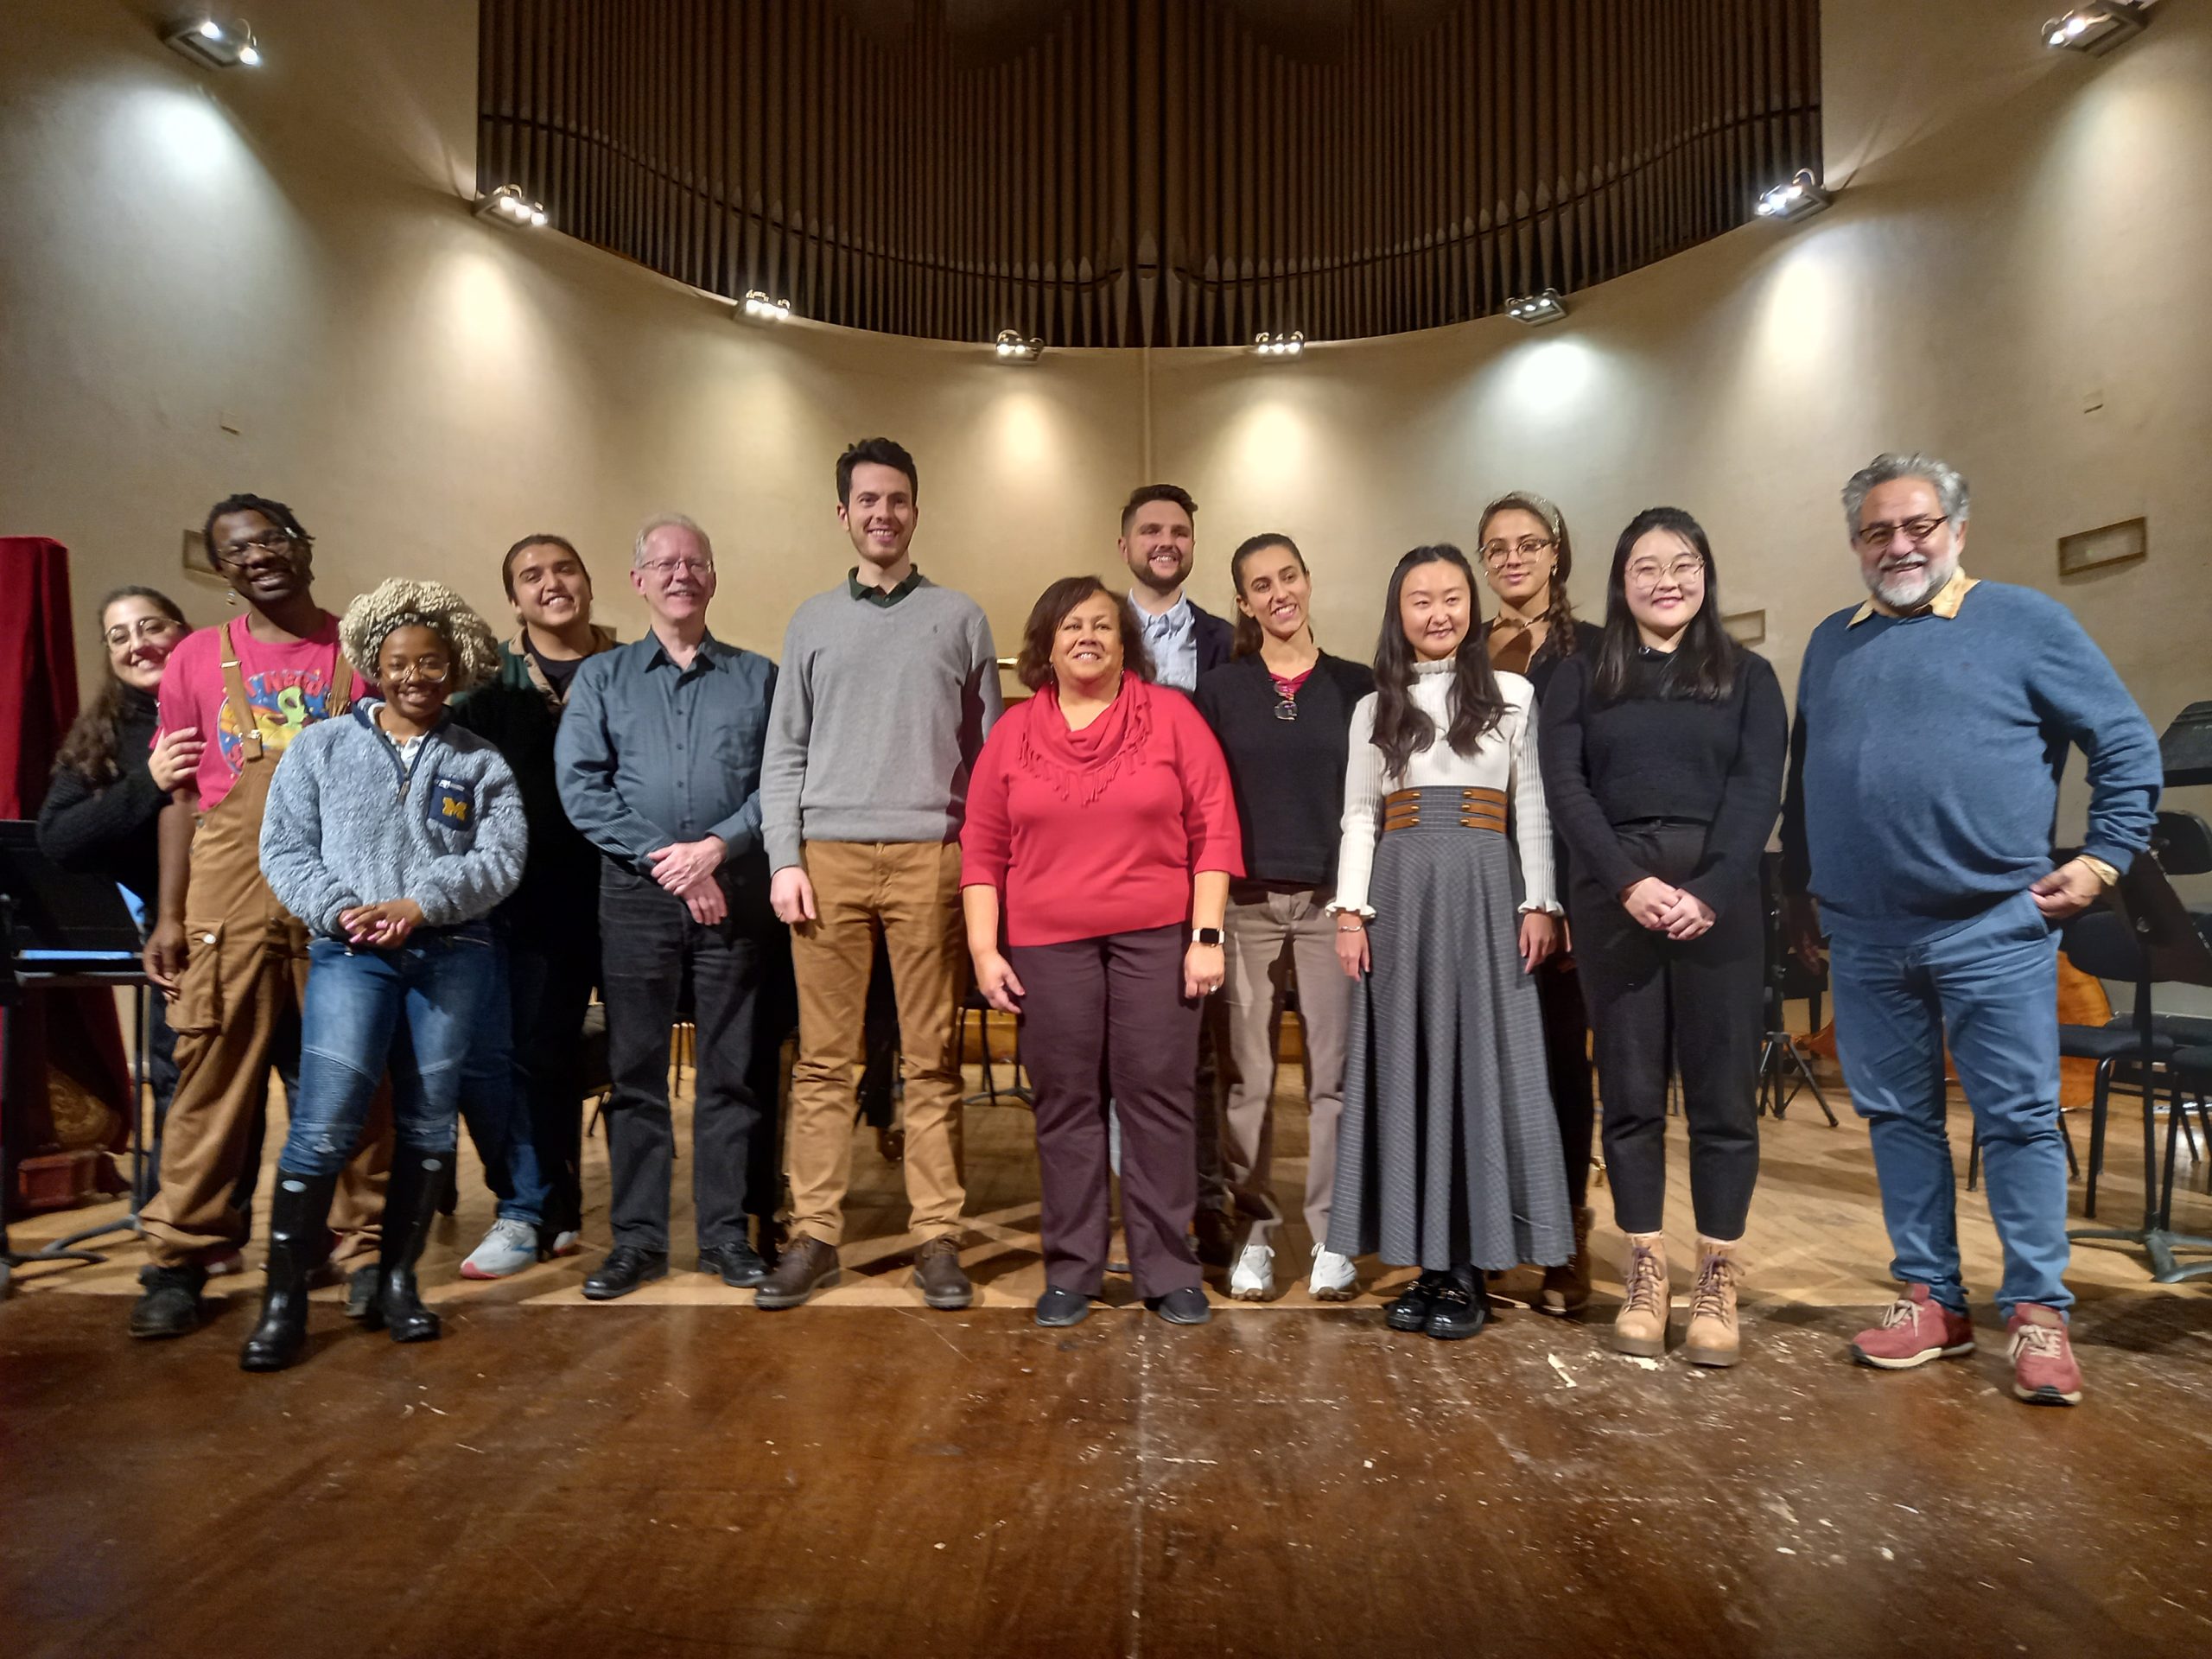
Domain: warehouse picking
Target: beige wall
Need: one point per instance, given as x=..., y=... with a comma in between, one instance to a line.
x=2021, y=234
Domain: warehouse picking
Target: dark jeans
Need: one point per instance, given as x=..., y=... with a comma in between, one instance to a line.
x=549, y=986
x=493, y=1103
x=651, y=947
x=1566, y=1058
x=1701, y=998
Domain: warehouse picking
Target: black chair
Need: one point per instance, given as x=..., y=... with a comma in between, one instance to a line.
x=990, y=1093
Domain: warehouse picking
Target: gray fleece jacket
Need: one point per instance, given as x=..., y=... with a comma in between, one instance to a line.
x=348, y=823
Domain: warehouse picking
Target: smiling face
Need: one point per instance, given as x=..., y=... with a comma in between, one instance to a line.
x=1273, y=589
x=676, y=576
x=139, y=635
x=880, y=514
x=414, y=668
x=1158, y=546
x=1664, y=581
x=265, y=565
x=1519, y=556
x=1907, y=547
x=1087, y=645
x=551, y=588
x=1436, y=608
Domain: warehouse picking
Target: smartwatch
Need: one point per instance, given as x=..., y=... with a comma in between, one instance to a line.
x=1206, y=936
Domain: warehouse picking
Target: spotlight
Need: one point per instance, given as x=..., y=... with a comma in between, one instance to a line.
x=761, y=308
x=2098, y=27
x=213, y=45
x=1014, y=347
x=1289, y=344
x=508, y=206
x=1798, y=199
x=1536, y=308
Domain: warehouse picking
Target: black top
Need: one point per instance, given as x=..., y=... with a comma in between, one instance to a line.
x=557, y=670
x=1651, y=756
x=108, y=829
x=1287, y=775
x=1543, y=667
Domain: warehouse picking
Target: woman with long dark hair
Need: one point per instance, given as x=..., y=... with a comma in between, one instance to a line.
x=1447, y=1158
x=1281, y=708
x=1663, y=756
x=1526, y=557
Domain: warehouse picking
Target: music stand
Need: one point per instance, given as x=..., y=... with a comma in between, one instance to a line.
x=2174, y=951
x=1783, y=1069
x=60, y=930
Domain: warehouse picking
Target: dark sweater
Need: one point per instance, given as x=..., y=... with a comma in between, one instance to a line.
x=1647, y=755
x=108, y=829
x=1923, y=778
x=1288, y=775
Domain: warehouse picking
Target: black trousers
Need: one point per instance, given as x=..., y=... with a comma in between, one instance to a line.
x=651, y=948
x=1700, y=1000
x=550, y=983
x=1567, y=1057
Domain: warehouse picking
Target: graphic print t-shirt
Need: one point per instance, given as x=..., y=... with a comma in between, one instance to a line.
x=287, y=688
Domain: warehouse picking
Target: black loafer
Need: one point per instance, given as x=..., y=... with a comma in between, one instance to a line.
x=1458, y=1310
x=1410, y=1311
x=626, y=1267
x=1186, y=1306
x=739, y=1264
x=1058, y=1308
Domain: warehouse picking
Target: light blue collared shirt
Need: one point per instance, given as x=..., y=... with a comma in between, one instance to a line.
x=1172, y=638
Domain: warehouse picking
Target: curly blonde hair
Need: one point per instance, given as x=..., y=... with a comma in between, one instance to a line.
x=371, y=619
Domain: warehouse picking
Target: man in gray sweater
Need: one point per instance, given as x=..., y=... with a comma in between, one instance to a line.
x=888, y=685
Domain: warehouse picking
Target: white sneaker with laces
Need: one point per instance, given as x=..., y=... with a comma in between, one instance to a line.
x=1333, y=1280
x=509, y=1247
x=1253, y=1277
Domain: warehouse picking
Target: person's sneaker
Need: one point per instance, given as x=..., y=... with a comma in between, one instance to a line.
x=1059, y=1307
x=1411, y=1310
x=938, y=1275
x=361, y=1291
x=169, y=1305
x=807, y=1265
x=569, y=1240
x=1186, y=1306
x=1333, y=1279
x=509, y=1247
x=1916, y=1329
x=1217, y=1231
x=1253, y=1278
x=2043, y=1371
x=626, y=1267
x=739, y=1264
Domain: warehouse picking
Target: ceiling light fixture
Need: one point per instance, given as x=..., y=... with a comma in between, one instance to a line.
x=213, y=45
x=1289, y=344
x=2097, y=29
x=508, y=206
x=1536, y=308
x=1799, y=198
x=758, y=307
x=1014, y=347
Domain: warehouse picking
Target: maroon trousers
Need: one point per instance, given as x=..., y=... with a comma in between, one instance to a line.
x=1102, y=1018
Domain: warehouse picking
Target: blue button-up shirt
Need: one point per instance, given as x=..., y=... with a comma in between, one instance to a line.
x=649, y=755
x=1172, y=638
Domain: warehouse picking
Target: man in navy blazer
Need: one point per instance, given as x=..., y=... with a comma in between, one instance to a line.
x=1158, y=544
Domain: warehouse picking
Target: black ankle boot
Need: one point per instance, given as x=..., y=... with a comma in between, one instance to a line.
x=411, y=1199
x=299, y=1212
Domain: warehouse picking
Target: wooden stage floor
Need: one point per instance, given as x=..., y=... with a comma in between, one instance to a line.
x=680, y=1474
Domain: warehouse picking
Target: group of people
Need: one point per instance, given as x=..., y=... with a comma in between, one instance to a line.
x=369, y=848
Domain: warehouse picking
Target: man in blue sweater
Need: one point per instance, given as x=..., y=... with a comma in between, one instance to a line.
x=1933, y=724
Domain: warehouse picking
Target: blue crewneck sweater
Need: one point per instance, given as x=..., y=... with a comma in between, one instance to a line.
x=1924, y=767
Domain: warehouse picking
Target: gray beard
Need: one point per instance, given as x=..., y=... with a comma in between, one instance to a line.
x=1909, y=594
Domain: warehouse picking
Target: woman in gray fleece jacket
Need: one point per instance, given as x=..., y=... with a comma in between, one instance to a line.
x=391, y=833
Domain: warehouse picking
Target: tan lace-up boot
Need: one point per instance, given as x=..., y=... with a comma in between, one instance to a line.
x=1566, y=1289
x=1714, y=1338
x=1641, y=1326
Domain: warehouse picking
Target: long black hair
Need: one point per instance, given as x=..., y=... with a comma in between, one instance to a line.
x=1402, y=728
x=1248, y=637
x=89, y=750
x=1559, y=610
x=1703, y=665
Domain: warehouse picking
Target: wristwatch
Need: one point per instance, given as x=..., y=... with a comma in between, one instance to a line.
x=1206, y=936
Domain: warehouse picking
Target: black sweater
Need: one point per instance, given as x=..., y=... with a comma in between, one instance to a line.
x=1288, y=775
x=1647, y=756
x=108, y=829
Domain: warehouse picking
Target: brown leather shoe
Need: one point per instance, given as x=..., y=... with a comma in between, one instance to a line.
x=936, y=1271
x=1566, y=1289
x=807, y=1265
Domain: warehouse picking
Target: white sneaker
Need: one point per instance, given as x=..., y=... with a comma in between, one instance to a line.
x=1333, y=1280
x=567, y=1241
x=509, y=1247
x=1253, y=1278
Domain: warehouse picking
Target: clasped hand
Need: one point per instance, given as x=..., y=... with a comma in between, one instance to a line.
x=1665, y=908
x=687, y=868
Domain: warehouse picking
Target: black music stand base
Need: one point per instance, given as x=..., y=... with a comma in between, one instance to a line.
x=1783, y=1072
x=2156, y=1236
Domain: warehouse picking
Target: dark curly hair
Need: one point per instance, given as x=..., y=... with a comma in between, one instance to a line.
x=275, y=511
x=1034, y=665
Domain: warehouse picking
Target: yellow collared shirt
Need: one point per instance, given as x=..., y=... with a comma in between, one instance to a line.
x=1944, y=602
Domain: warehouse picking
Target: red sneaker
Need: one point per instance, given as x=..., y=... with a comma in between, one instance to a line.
x=2043, y=1371
x=1914, y=1331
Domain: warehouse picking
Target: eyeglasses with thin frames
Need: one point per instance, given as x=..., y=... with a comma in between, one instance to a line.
x=1876, y=537
x=666, y=569
x=146, y=627
x=277, y=544
x=1529, y=547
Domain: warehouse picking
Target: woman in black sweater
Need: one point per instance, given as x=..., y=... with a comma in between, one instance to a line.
x=1281, y=708
x=1663, y=753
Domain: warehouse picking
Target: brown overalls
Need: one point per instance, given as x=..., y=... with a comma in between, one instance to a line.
x=240, y=997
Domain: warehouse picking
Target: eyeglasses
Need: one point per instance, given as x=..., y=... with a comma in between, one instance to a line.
x=427, y=671
x=277, y=544
x=146, y=627
x=1496, y=553
x=1876, y=537
x=1683, y=573
x=666, y=569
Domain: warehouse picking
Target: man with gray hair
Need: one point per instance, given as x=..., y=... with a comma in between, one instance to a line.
x=658, y=763
x=1933, y=724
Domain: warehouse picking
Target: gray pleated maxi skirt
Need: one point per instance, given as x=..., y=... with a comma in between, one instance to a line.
x=1448, y=1153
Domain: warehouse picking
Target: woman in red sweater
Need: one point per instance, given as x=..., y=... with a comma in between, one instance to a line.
x=1101, y=831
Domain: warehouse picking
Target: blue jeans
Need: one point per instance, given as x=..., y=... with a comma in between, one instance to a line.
x=1992, y=984
x=494, y=1102
x=414, y=1010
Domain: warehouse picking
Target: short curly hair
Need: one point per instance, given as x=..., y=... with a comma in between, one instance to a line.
x=370, y=620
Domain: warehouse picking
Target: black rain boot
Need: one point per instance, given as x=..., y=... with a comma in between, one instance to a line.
x=411, y=1199
x=299, y=1216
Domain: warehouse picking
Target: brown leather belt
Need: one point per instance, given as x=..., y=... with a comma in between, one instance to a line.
x=1471, y=809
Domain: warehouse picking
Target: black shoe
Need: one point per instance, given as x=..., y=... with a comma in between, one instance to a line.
x=1410, y=1312
x=807, y=1265
x=1057, y=1307
x=626, y=1267
x=1459, y=1309
x=361, y=1292
x=1217, y=1231
x=410, y=1201
x=169, y=1305
x=738, y=1263
x=1186, y=1306
x=299, y=1211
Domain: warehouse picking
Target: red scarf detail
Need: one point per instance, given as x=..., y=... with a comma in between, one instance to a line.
x=1077, y=767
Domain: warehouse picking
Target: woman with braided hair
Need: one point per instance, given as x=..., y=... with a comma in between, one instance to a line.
x=392, y=834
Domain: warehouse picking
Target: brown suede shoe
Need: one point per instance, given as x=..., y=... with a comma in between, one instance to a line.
x=807, y=1265
x=1567, y=1290
x=936, y=1271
